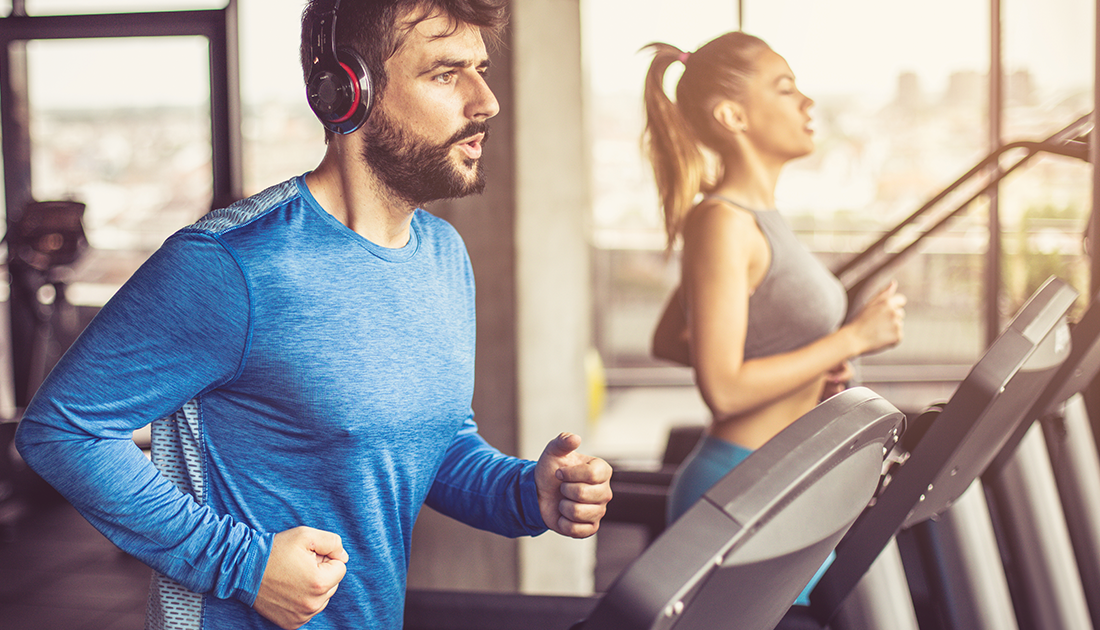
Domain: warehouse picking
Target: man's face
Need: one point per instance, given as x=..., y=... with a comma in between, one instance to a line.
x=424, y=139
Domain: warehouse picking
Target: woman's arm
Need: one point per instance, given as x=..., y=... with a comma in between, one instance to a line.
x=670, y=339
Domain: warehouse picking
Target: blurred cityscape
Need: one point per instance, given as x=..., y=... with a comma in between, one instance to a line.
x=888, y=139
x=144, y=173
x=872, y=168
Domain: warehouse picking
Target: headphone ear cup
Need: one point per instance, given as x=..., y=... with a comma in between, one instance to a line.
x=340, y=91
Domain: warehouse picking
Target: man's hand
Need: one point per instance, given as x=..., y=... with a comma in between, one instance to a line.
x=302, y=573
x=573, y=489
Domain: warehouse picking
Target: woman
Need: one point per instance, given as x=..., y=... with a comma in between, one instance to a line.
x=760, y=320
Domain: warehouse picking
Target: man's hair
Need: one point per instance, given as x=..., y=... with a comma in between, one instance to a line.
x=370, y=27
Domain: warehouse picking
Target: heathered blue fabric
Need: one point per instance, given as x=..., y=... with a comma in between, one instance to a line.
x=332, y=380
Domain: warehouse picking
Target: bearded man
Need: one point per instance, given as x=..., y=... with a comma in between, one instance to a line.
x=306, y=358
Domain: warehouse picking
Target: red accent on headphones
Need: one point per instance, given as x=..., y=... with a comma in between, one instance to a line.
x=358, y=94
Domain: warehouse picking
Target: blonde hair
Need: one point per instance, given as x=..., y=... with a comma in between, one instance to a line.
x=680, y=138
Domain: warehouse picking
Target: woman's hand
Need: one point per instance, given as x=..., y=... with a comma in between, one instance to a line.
x=879, y=325
x=836, y=380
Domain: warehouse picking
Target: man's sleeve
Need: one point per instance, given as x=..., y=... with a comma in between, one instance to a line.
x=480, y=486
x=177, y=329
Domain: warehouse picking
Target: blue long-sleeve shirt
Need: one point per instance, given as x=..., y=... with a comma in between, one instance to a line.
x=295, y=374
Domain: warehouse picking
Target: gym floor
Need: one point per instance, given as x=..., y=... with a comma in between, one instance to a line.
x=59, y=573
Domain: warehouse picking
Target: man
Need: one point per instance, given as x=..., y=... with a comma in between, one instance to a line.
x=306, y=357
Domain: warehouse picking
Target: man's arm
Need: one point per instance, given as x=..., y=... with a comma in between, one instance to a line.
x=176, y=330
x=564, y=491
x=304, y=569
x=480, y=486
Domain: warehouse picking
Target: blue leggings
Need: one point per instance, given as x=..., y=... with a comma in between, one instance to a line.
x=708, y=462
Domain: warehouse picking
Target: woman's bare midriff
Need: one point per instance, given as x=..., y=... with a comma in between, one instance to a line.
x=753, y=429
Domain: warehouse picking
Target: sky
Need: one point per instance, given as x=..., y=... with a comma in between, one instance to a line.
x=840, y=46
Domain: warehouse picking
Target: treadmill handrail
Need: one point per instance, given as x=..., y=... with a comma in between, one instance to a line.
x=1068, y=141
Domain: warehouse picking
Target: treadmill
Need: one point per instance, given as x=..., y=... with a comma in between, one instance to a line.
x=1044, y=490
x=947, y=448
x=739, y=557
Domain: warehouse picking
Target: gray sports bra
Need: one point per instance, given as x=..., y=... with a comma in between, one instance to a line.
x=798, y=301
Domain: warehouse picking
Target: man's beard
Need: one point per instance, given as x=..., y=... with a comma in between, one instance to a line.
x=416, y=170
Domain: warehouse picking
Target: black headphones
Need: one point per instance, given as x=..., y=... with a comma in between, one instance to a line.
x=339, y=89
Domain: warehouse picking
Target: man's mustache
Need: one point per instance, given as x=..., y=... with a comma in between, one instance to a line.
x=470, y=130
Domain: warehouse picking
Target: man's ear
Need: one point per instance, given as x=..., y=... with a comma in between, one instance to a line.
x=730, y=115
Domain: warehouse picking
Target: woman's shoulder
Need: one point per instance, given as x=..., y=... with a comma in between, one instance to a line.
x=714, y=218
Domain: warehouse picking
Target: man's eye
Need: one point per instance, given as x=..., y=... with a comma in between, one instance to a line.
x=446, y=77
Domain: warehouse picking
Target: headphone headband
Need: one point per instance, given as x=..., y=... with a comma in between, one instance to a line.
x=323, y=30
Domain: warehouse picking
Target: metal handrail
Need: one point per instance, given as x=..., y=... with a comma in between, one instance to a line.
x=856, y=273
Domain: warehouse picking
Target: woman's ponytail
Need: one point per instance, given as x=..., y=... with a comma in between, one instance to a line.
x=678, y=163
x=684, y=145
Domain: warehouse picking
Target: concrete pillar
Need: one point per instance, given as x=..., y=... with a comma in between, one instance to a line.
x=552, y=261
x=447, y=554
x=527, y=241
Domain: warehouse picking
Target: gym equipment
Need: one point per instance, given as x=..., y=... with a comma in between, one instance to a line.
x=43, y=246
x=1054, y=546
x=947, y=448
x=741, y=555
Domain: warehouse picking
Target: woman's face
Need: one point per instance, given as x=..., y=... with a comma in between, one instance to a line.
x=777, y=115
